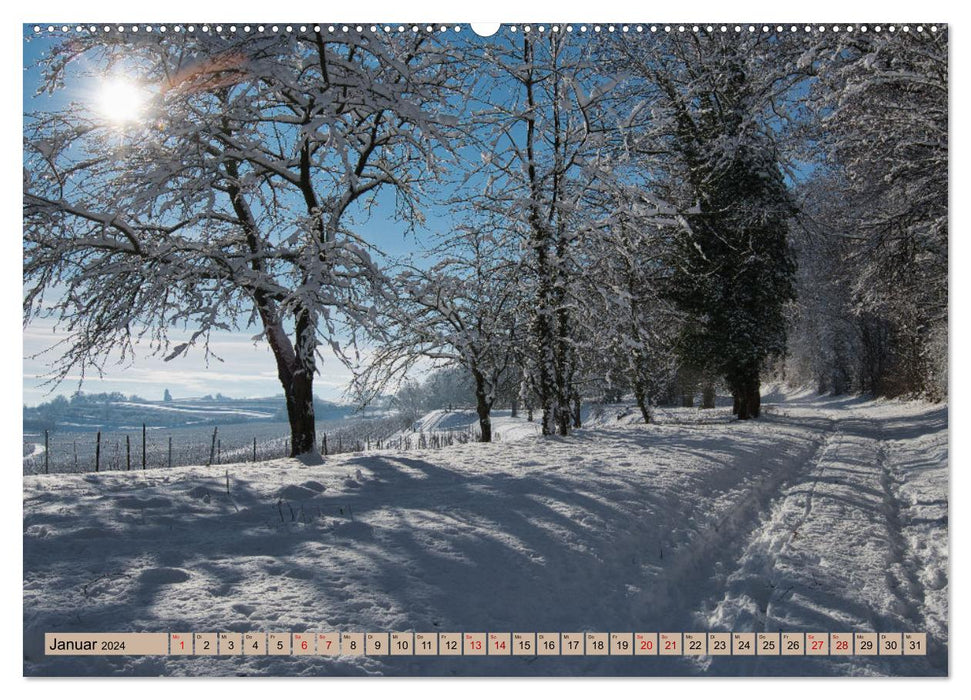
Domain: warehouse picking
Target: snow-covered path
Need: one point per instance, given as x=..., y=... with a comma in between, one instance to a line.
x=36, y=450
x=857, y=542
x=826, y=515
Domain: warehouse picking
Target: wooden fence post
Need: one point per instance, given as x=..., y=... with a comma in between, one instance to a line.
x=254, y=449
x=212, y=447
x=170, y=451
x=143, y=447
x=325, y=444
x=219, y=450
x=97, y=452
x=47, y=454
x=127, y=453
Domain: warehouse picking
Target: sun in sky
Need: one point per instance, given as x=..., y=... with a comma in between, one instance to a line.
x=120, y=100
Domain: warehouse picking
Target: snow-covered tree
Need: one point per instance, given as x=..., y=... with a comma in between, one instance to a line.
x=459, y=311
x=707, y=116
x=442, y=388
x=229, y=199
x=542, y=131
x=883, y=101
x=636, y=326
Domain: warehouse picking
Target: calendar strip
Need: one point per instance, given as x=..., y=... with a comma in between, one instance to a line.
x=486, y=644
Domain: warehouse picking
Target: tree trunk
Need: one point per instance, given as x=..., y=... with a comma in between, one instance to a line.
x=549, y=420
x=708, y=395
x=485, y=425
x=483, y=407
x=748, y=398
x=576, y=411
x=295, y=369
x=755, y=399
x=743, y=412
x=515, y=408
x=641, y=397
x=687, y=400
x=300, y=412
x=563, y=419
x=541, y=240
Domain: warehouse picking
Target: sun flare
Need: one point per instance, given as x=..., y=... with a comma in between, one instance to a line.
x=121, y=101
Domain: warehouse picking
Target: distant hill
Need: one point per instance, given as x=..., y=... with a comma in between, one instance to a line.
x=115, y=410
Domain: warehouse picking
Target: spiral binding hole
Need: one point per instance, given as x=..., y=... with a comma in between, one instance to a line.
x=710, y=29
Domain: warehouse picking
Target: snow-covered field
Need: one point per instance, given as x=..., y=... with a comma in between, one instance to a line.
x=825, y=515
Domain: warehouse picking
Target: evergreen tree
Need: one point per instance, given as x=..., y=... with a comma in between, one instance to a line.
x=711, y=142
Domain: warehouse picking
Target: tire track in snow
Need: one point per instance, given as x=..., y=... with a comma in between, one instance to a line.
x=699, y=577
x=742, y=598
x=817, y=470
x=902, y=577
x=830, y=555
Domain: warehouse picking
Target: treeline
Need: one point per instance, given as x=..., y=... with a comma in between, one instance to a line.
x=732, y=207
x=630, y=212
x=872, y=236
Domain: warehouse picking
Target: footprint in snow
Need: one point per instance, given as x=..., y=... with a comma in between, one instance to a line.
x=164, y=576
x=244, y=609
x=300, y=574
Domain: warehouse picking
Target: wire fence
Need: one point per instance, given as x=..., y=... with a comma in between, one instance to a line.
x=58, y=452
x=143, y=447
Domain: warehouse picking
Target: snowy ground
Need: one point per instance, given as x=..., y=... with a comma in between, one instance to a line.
x=504, y=426
x=826, y=515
